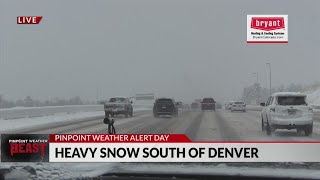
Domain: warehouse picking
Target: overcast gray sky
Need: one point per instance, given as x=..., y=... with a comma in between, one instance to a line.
x=180, y=48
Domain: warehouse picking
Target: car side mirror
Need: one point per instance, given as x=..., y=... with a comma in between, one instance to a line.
x=262, y=104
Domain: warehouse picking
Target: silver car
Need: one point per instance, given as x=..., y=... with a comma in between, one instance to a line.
x=238, y=106
x=287, y=110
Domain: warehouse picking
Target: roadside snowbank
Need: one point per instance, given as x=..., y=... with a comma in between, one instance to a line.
x=34, y=112
x=12, y=124
x=313, y=96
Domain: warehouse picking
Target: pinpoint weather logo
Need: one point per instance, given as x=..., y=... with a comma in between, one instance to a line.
x=24, y=148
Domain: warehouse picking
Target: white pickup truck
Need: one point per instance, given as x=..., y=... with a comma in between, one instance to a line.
x=118, y=105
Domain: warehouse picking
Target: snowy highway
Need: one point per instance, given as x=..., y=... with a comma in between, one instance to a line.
x=221, y=125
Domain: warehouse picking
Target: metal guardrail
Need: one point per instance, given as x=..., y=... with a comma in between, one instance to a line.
x=315, y=106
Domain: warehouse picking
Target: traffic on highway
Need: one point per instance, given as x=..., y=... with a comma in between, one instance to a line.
x=217, y=71
x=284, y=117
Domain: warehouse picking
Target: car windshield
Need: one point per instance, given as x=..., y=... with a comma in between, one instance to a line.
x=164, y=101
x=223, y=73
x=208, y=100
x=238, y=102
x=291, y=100
x=119, y=100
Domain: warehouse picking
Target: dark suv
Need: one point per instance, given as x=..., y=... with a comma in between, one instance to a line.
x=165, y=106
x=208, y=104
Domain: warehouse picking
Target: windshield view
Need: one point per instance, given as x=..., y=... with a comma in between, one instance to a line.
x=238, y=102
x=159, y=88
x=164, y=101
x=208, y=100
x=118, y=100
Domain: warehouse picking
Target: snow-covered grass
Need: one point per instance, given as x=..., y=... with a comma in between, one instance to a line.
x=29, y=122
x=31, y=112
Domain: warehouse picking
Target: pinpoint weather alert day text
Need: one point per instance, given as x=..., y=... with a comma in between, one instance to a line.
x=109, y=138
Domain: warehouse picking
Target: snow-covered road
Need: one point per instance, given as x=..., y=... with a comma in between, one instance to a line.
x=221, y=125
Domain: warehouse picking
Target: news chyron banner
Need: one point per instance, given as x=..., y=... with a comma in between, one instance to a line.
x=267, y=29
x=147, y=148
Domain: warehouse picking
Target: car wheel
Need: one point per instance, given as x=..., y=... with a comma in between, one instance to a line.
x=174, y=114
x=263, y=128
x=268, y=128
x=308, y=130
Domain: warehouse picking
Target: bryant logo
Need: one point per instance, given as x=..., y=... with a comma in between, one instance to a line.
x=27, y=148
x=267, y=23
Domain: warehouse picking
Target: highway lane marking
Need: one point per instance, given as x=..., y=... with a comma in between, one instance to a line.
x=156, y=125
x=209, y=130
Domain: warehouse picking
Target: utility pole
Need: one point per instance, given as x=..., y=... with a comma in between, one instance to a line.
x=257, y=75
x=257, y=86
x=269, y=64
x=243, y=90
